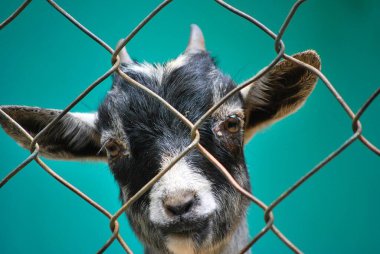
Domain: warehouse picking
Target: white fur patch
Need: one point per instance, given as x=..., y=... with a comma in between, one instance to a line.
x=181, y=177
x=125, y=193
x=154, y=71
x=88, y=118
x=180, y=245
x=176, y=63
x=244, y=92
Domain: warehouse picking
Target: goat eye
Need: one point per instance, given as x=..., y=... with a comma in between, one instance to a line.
x=113, y=149
x=232, y=124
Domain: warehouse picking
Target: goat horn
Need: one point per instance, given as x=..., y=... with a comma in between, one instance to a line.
x=123, y=54
x=196, y=41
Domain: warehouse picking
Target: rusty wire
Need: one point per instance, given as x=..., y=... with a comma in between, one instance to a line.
x=14, y=14
x=279, y=47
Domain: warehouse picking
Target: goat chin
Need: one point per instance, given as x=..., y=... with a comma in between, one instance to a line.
x=180, y=244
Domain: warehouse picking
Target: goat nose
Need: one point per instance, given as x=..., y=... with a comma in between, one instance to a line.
x=179, y=204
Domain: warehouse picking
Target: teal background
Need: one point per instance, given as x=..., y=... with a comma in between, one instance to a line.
x=47, y=62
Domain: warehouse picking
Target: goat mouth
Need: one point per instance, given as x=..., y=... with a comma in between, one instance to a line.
x=186, y=227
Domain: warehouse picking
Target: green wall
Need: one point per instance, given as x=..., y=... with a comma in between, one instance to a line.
x=47, y=62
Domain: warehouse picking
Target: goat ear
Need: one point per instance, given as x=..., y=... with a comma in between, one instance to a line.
x=74, y=137
x=280, y=92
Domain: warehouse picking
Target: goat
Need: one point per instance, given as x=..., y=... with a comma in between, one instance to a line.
x=192, y=208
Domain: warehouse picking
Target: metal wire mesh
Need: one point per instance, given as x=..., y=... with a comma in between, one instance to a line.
x=268, y=209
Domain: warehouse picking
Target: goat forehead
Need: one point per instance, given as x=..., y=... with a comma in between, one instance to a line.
x=190, y=84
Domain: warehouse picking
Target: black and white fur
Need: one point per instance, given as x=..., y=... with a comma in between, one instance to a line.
x=192, y=208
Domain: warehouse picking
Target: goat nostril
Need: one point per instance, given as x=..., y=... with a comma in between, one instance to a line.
x=180, y=209
x=180, y=205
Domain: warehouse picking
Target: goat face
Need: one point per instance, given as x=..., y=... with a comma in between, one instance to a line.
x=192, y=207
x=192, y=199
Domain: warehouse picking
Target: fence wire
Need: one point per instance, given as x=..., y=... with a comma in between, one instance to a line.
x=279, y=47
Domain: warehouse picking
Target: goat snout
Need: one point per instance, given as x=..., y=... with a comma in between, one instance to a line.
x=182, y=197
x=179, y=203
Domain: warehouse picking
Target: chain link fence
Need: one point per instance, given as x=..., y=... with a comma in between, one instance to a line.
x=279, y=47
